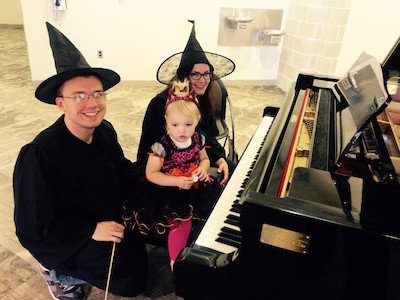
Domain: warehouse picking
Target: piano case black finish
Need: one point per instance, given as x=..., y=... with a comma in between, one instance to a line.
x=326, y=248
x=344, y=259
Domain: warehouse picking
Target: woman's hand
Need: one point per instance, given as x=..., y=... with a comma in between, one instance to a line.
x=222, y=166
x=109, y=231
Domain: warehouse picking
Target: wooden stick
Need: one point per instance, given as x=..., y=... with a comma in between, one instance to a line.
x=109, y=271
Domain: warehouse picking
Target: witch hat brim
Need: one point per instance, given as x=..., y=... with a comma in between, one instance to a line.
x=193, y=54
x=69, y=63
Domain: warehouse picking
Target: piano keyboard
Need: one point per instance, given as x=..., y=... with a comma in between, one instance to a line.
x=221, y=231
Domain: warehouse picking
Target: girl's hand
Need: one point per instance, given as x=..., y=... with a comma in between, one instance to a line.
x=200, y=173
x=184, y=182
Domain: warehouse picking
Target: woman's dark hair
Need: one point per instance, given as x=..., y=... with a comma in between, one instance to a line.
x=183, y=72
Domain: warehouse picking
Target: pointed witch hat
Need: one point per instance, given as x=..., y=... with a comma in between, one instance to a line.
x=69, y=63
x=220, y=65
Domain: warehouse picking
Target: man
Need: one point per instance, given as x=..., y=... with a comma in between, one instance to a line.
x=70, y=183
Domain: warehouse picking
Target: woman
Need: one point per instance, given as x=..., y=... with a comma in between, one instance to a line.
x=196, y=65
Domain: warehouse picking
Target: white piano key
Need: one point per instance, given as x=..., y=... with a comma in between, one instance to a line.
x=221, y=210
x=211, y=243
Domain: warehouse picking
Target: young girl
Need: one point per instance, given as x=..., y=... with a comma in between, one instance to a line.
x=178, y=184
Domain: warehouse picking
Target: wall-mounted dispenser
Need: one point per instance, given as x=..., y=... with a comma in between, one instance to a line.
x=270, y=35
x=250, y=27
x=240, y=20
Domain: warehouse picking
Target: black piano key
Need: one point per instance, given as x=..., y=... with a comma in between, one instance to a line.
x=233, y=217
x=229, y=242
x=231, y=230
x=232, y=222
x=237, y=205
x=230, y=236
x=236, y=209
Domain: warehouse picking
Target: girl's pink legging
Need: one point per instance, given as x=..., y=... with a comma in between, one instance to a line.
x=178, y=237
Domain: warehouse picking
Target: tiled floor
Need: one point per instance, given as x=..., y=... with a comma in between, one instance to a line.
x=22, y=117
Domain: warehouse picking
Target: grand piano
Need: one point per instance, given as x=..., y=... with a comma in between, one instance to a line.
x=312, y=210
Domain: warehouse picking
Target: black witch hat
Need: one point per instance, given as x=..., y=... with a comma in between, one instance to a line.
x=193, y=54
x=69, y=63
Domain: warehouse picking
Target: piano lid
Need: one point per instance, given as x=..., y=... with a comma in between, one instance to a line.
x=391, y=72
x=391, y=64
x=362, y=96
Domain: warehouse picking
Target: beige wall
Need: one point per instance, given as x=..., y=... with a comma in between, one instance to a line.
x=321, y=37
x=137, y=36
x=10, y=12
x=373, y=26
x=326, y=37
x=314, y=35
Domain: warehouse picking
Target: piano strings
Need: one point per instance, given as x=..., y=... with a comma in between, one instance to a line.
x=300, y=144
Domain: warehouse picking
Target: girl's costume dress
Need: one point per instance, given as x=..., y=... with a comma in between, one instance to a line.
x=155, y=207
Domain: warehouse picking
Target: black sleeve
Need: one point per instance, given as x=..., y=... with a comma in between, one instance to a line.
x=47, y=234
x=208, y=127
x=132, y=174
x=153, y=126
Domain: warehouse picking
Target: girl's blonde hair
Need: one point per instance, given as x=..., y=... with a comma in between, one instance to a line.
x=187, y=108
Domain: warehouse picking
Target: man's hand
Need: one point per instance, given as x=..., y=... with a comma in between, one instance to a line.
x=109, y=231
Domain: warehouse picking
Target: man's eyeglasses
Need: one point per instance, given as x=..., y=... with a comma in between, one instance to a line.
x=80, y=97
x=197, y=75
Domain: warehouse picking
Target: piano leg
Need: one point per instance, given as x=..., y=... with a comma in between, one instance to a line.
x=394, y=271
x=367, y=261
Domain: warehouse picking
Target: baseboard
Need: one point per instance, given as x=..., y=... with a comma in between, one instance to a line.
x=262, y=82
x=12, y=26
x=35, y=83
x=226, y=81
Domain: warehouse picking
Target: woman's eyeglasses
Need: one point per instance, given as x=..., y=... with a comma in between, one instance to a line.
x=197, y=75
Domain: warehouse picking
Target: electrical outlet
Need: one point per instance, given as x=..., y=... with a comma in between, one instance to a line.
x=60, y=5
x=99, y=53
